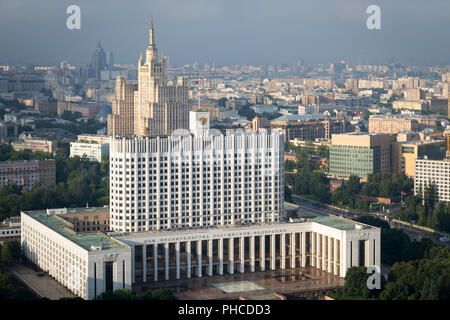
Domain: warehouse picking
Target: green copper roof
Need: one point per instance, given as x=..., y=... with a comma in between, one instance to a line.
x=337, y=223
x=84, y=240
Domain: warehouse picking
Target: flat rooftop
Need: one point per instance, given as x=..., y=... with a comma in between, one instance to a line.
x=338, y=223
x=87, y=210
x=329, y=221
x=84, y=240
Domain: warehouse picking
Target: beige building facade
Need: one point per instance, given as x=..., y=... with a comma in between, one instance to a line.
x=391, y=124
x=404, y=154
x=157, y=107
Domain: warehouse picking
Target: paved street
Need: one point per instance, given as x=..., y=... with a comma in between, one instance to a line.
x=43, y=286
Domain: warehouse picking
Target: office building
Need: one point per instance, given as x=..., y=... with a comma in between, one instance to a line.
x=436, y=172
x=10, y=229
x=437, y=105
x=93, y=138
x=8, y=130
x=98, y=62
x=359, y=154
x=93, y=151
x=308, y=127
x=410, y=105
x=391, y=124
x=89, y=264
x=35, y=145
x=404, y=154
x=121, y=120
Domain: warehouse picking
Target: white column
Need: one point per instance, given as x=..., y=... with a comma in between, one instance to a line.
x=177, y=255
x=144, y=263
x=262, y=252
x=188, y=256
x=344, y=262
x=155, y=262
x=293, y=253
x=377, y=250
x=318, y=250
x=313, y=249
x=371, y=252
x=166, y=247
x=324, y=253
x=241, y=254
x=283, y=251
x=367, y=252
x=350, y=254
x=303, y=249
x=231, y=255
x=335, y=256
x=221, y=256
x=330, y=254
x=199, y=258
x=252, y=254
x=355, y=253
x=272, y=252
x=210, y=257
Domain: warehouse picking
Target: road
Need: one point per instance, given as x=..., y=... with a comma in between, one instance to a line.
x=43, y=286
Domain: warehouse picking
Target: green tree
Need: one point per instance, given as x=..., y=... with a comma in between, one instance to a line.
x=159, y=294
x=356, y=282
x=5, y=255
x=353, y=184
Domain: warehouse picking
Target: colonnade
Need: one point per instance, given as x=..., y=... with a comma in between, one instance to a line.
x=208, y=257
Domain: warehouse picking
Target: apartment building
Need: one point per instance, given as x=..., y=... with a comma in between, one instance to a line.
x=28, y=173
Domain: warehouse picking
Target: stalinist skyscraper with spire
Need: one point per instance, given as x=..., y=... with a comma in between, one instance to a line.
x=156, y=106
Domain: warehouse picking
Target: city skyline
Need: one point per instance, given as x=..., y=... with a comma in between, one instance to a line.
x=226, y=33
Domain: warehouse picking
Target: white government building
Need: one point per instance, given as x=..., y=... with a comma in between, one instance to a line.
x=163, y=231
x=197, y=178
x=89, y=264
x=197, y=203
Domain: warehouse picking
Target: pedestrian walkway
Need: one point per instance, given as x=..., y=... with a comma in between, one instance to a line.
x=44, y=286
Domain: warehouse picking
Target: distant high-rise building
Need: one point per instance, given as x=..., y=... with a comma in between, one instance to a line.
x=98, y=61
x=121, y=121
x=110, y=59
x=156, y=107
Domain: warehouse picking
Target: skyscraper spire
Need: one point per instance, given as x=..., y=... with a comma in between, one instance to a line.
x=152, y=37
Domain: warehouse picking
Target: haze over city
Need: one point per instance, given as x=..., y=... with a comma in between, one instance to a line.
x=228, y=32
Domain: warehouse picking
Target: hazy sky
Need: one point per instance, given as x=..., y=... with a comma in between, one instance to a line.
x=227, y=31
